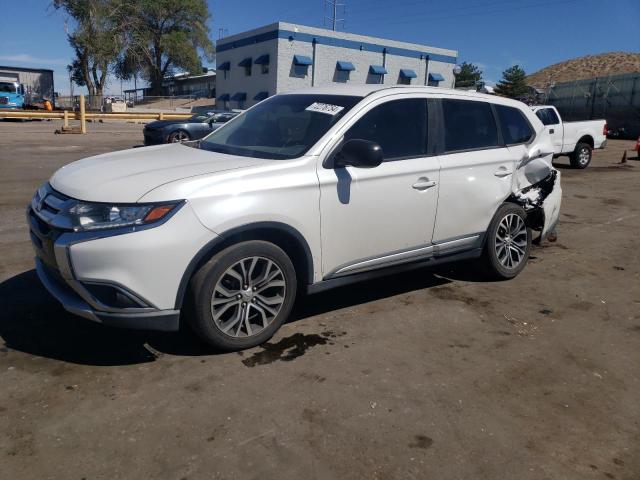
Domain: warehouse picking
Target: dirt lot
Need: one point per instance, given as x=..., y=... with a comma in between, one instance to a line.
x=433, y=374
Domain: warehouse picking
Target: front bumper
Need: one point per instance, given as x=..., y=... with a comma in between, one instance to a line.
x=122, y=277
x=160, y=320
x=154, y=137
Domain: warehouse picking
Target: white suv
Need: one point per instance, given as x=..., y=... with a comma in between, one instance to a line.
x=303, y=192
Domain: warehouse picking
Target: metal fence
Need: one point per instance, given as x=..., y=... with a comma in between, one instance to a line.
x=615, y=98
x=130, y=103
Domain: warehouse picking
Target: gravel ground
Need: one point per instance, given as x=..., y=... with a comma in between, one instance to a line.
x=431, y=374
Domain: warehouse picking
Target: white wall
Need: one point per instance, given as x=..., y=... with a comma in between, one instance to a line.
x=284, y=75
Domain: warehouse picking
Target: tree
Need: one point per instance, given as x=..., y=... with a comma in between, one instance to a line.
x=97, y=39
x=469, y=75
x=167, y=35
x=513, y=83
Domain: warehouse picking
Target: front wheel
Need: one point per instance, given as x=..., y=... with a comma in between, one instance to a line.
x=242, y=295
x=179, y=136
x=507, y=244
x=581, y=156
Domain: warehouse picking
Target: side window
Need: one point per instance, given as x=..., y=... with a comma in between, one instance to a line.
x=553, y=116
x=399, y=127
x=468, y=125
x=548, y=116
x=515, y=127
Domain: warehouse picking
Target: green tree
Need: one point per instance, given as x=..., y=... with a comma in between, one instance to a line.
x=469, y=75
x=97, y=38
x=513, y=83
x=167, y=35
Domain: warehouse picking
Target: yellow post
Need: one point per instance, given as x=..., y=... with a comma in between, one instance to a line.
x=161, y=116
x=83, y=118
x=66, y=120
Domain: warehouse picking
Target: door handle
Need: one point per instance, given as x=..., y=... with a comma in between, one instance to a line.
x=423, y=183
x=502, y=172
x=551, y=130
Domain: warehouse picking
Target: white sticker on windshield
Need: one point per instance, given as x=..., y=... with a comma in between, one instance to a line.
x=324, y=108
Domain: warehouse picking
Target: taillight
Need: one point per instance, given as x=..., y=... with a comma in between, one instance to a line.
x=638, y=145
x=605, y=129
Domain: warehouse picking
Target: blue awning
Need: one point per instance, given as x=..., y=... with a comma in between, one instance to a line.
x=239, y=97
x=262, y=60
x=345, y=66
x=302, y=60
x=245, y=63
x=224, y=66
x=407, y=73
x=261, y=95
x=436, y=77
x=377, y=70
x=223, y=98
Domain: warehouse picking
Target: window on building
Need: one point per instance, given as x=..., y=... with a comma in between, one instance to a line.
x=514, y=126
x=468, y=125
x=405, y=81
x=399, y=127
x=264, y=68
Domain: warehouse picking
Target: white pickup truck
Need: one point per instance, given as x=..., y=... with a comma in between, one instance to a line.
x=575, y=139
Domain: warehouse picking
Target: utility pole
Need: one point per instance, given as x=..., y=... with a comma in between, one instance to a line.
x=333, y=6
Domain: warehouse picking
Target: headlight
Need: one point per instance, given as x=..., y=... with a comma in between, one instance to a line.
x=97, y=216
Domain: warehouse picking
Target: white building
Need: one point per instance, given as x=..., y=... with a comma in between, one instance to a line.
x=283, y=56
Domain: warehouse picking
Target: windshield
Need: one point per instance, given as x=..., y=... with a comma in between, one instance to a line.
x=281, y=127
x=7, y=87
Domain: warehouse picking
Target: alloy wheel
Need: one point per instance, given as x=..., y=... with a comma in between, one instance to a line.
x=511, y=241
x=179, y=137
x=248, y=297
x=583, y=156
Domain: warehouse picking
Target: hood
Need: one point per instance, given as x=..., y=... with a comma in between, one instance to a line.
x=158, y=124
x=125, y=176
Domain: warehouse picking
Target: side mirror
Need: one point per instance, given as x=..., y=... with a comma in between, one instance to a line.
x=359, y=153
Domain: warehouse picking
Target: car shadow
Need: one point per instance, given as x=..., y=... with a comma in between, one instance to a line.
x=33, y=322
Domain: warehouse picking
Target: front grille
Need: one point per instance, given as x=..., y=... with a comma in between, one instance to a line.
x=43, y=238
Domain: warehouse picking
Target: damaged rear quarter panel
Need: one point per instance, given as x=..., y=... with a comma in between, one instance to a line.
x=536, y=186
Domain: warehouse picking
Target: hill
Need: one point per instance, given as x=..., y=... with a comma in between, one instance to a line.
x=601, y=65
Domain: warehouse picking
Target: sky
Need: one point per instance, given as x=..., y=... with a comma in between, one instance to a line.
x=493, y=34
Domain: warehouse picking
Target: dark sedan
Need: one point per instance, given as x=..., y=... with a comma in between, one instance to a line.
x=194, y=128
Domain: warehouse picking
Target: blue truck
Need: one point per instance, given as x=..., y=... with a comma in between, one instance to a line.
x=11, y=95
x=22, y=87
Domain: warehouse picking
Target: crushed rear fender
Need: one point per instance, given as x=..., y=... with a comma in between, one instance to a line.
x=537, y=189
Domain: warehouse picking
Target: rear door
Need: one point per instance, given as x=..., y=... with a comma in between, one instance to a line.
x=476, y=172
x=375, y=217
x=553, y=125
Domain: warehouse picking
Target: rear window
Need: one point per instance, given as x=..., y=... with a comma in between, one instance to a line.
x=468, y=125
x=514, y=126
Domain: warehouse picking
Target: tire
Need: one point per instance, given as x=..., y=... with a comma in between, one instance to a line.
x=581, y=156
x=178, y=136
x=505, y=255
x=219, y=302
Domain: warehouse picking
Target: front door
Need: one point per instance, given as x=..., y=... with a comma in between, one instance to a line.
x=553, y=126
x=371, y=218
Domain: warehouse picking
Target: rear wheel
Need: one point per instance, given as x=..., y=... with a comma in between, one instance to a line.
x=581, y=156
x=243, y=295
x=179, y=136
x=508, y=243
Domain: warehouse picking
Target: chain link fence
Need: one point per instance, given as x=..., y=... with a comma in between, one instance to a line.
x=615, y=98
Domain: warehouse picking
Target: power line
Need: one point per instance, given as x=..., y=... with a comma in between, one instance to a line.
x=333, y=6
